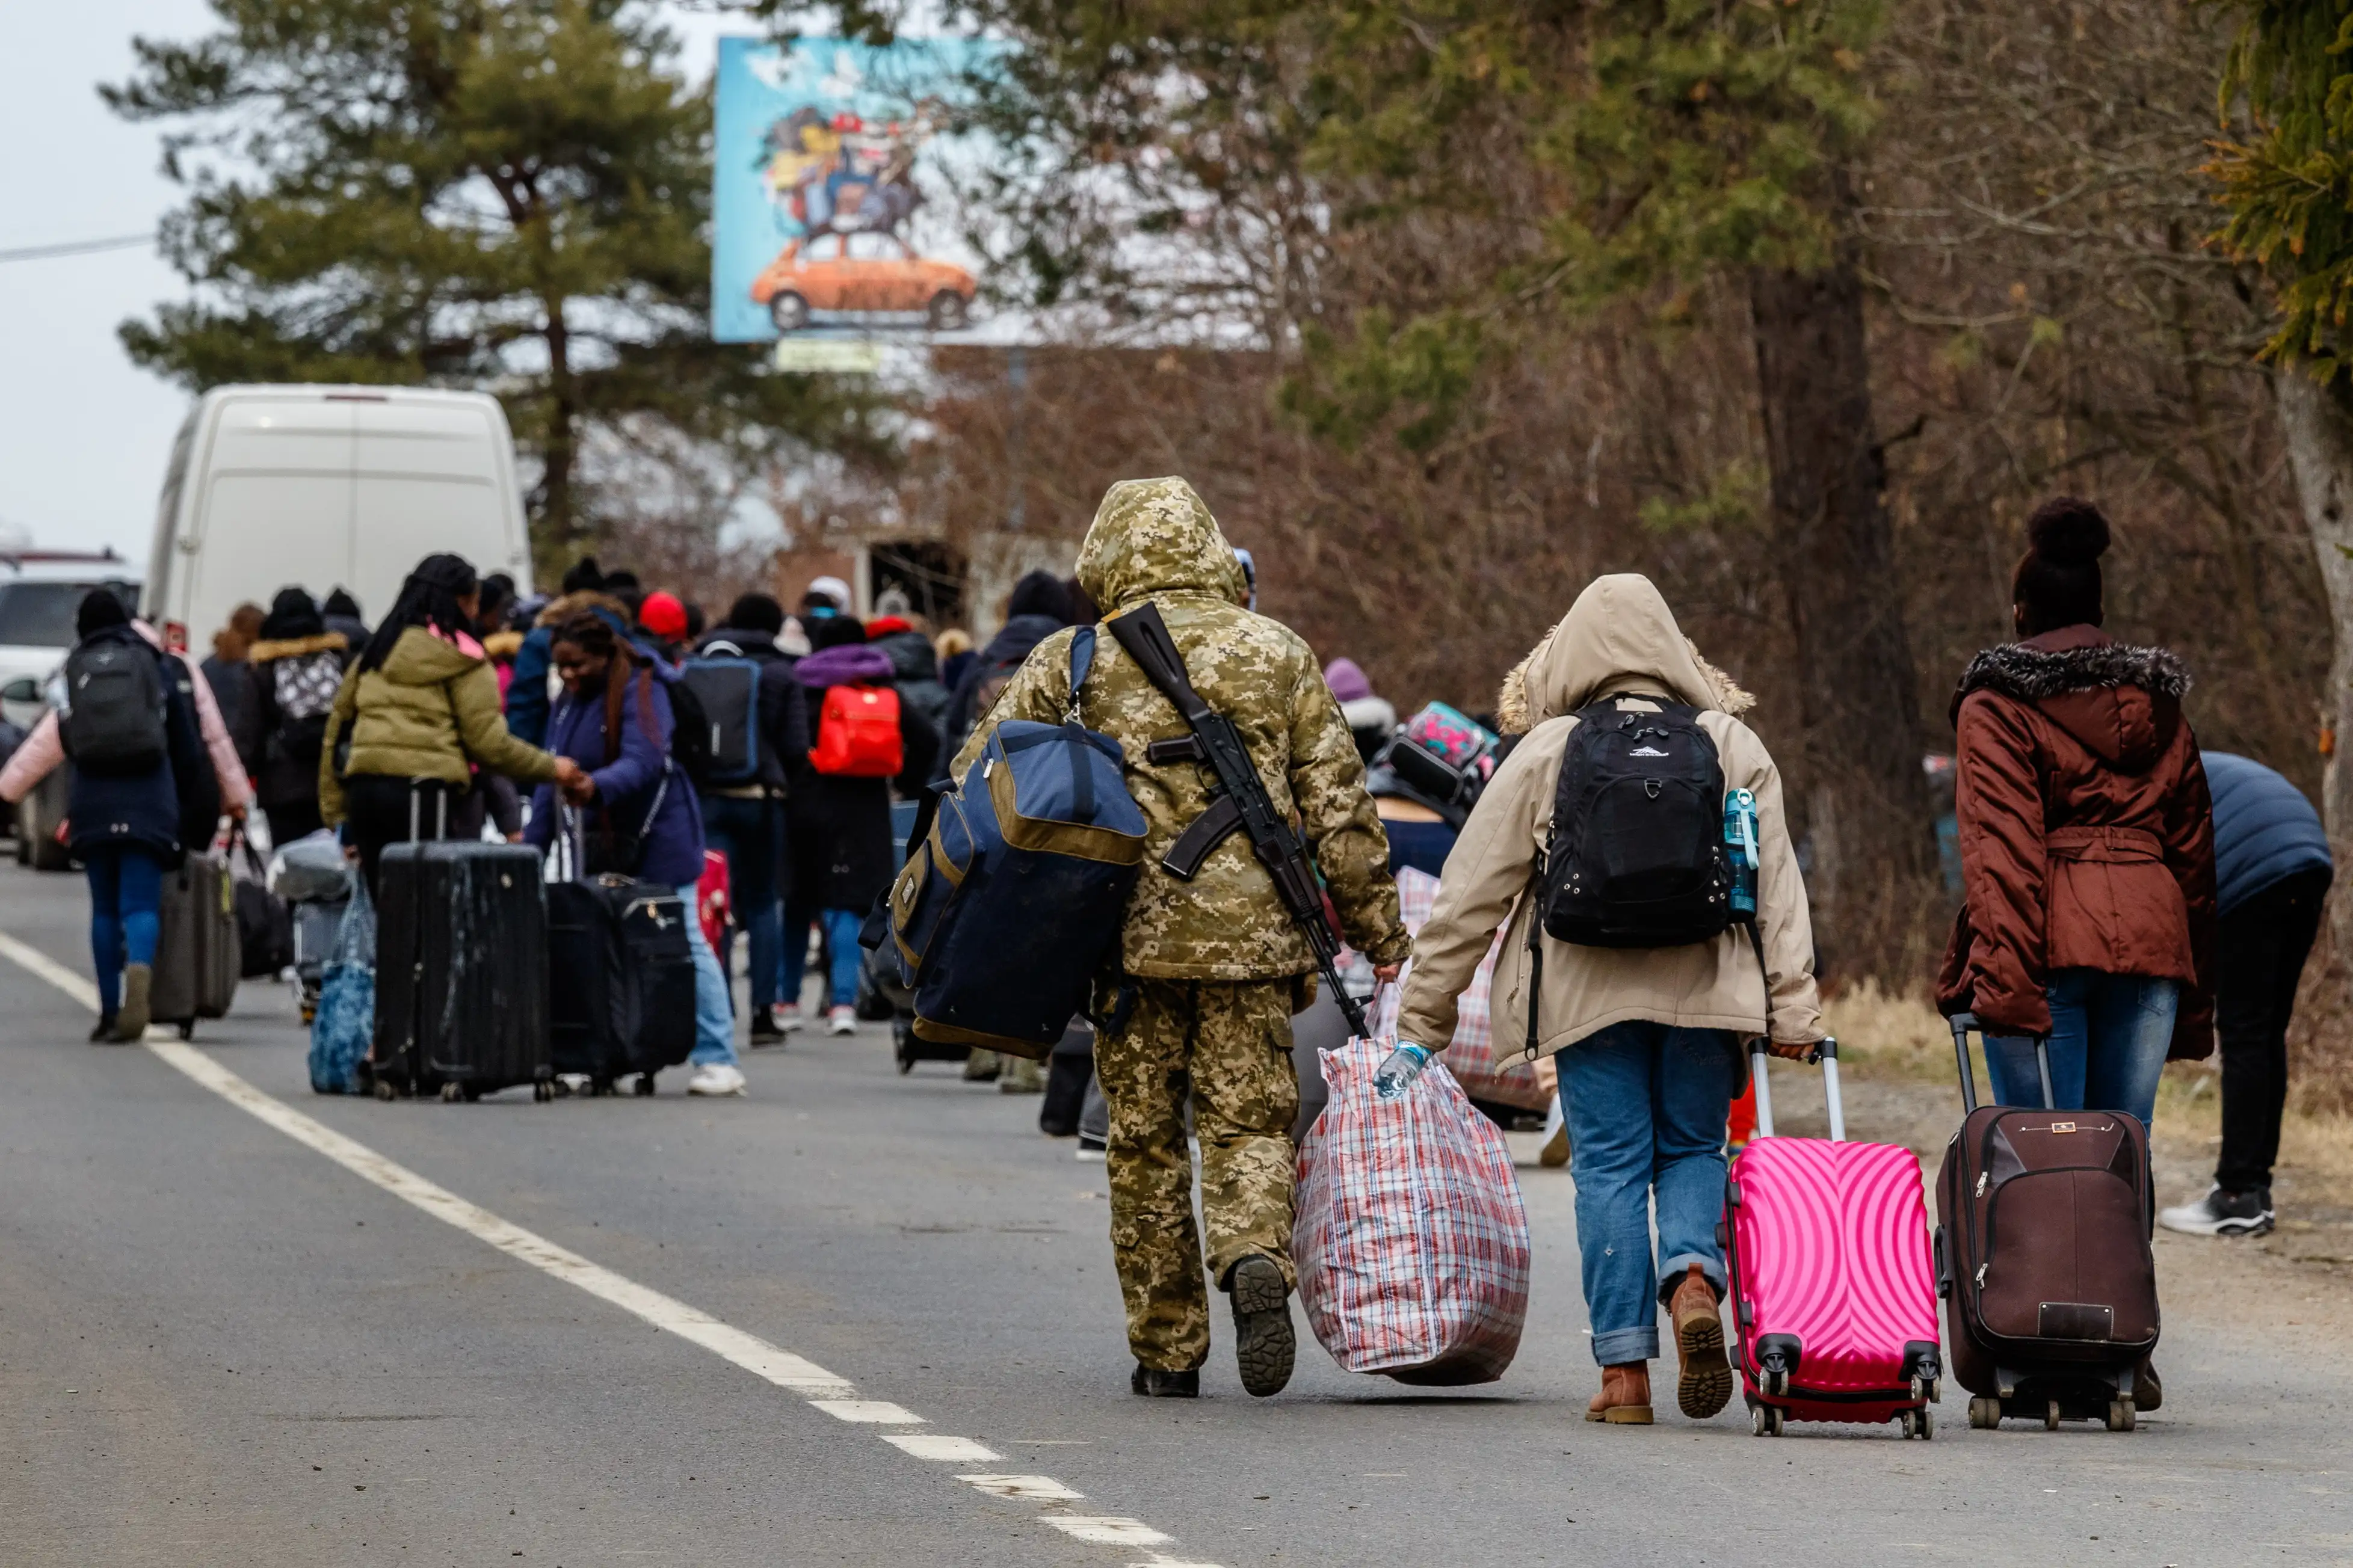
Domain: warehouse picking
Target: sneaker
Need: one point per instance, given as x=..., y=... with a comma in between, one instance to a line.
x=766, y=1031
x=982, y=1066
x=841, y=1021
x=1264, y=1342
x=788, y=1018
x=1154, y=1384
x=130, y=1022
x=1090, y=1148
x=2223, y=1214
x=717, y=1078
x=1704, y=1386
x=1554, y=1154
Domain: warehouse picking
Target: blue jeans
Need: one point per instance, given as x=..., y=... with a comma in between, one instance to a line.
x=126, y=897
x=1646, y=1106
x=714, y=1013
x=2109, y=1039
x=746, y=832
x=841, y=951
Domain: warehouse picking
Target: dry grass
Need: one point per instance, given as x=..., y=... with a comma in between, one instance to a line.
x=1893, y=1036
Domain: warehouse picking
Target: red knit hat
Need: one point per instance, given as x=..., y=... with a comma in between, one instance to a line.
x=664, y=616
x=884, y=625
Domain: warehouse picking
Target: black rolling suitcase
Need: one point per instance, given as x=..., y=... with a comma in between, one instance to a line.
x=461, y=993
x=2043, y=1219
x=622, y=971
x=198, y=952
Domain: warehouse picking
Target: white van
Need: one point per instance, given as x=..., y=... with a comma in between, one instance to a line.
x=328, y=487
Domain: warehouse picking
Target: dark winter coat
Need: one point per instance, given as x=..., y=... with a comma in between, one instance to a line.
x=2087, y=840
x=281, y=751
x=989, y=671
x=915, y=671
x=167, y=810
x=526, y=695
x=2265, y=830
x=783, y=712
x=628, y=786
x=840, y=827
x=231, y=680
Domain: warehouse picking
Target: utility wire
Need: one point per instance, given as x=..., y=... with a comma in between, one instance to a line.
x=76, y=247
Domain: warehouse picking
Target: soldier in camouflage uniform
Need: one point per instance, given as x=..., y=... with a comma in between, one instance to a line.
x=1218, y=965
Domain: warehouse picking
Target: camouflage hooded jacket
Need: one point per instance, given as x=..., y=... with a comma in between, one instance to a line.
x=1155, y=539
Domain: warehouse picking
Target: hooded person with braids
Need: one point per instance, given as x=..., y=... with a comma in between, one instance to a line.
x=419, y=711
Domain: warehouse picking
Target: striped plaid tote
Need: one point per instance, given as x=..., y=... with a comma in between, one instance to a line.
x=1411, y=1241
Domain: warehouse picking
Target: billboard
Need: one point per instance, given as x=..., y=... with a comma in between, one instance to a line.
x=832, y=215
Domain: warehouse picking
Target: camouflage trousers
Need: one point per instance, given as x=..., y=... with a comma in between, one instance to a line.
x=1227, y=1047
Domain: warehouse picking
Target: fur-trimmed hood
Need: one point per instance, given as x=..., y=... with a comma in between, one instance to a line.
x=1512, y=715
x=295, y=647
x=2123, y=702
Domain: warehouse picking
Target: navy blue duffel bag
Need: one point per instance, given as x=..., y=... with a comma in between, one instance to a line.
x=1014, y=891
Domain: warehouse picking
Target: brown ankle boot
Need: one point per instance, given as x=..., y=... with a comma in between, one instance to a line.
x=1705, y=1385
x=1625, y=1396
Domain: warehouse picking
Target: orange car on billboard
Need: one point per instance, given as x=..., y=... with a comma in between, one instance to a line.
x=865, y=271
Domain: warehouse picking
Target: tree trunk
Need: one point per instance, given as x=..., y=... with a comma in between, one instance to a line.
x=1858, y=792
x=558, y=522
x=2318, y=426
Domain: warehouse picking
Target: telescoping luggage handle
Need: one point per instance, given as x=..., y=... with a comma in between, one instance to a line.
x=1825, y=1051
x=1962, y=1023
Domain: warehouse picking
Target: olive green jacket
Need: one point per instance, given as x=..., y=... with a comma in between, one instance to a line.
x=1155, y=539
x=429, y=711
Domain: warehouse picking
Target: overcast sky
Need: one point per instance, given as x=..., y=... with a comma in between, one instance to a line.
x=84, y=433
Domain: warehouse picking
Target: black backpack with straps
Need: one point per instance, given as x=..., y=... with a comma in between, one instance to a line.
x=1636, y=857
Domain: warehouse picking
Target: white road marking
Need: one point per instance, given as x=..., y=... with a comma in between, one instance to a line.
x=940, y=1446
x=1105, y=1531
x=826, y=1391
x=1039, y=1489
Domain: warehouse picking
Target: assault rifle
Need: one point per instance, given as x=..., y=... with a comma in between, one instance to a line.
x=1240, y=803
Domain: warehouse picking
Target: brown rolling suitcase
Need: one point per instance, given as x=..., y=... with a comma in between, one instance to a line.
x=2043, y=1220
x=198, y=952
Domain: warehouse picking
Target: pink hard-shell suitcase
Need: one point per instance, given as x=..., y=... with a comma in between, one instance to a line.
x=1834, y=1295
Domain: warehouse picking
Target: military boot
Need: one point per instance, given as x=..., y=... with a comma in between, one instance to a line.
x=1264, y=1342
x=1152, y=1383
x=1705, y=1385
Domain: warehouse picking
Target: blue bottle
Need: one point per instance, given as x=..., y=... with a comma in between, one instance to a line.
x=1740, y=848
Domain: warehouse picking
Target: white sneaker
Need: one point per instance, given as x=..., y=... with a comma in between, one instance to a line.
x=841, y=1021
x=716, y=1077
x=788, y=1018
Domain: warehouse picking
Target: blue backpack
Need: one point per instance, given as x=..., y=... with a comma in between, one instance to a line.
x=1015, y=886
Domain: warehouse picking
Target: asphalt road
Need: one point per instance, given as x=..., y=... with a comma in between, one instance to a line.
x=217, y=1345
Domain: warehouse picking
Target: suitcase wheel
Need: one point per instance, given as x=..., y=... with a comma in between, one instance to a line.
x=2121, y=1415
x=1920, y=1423
x=2051, y=1416
x=543, y=1091
x=187, y=1029
x=452, y=1092
x=645, y=1084
x=384, y=1090
x=1766, y=1421
x=1984, y=1413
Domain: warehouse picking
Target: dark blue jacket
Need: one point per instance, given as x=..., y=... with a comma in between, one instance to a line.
x=626, y=787
x=2263, y=829
x=168, y=809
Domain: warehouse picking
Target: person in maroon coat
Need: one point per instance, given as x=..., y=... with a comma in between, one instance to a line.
x=2087, y=844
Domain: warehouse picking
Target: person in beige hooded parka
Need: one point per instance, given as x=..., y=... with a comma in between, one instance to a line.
x=1649, y=1041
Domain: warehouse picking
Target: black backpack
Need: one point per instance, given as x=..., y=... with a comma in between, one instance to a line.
x=1636, y=857
x=690, y=735
x=115, y=724
x=727, y=687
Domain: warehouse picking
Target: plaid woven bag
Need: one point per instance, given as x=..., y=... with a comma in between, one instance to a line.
x=1410, y=1240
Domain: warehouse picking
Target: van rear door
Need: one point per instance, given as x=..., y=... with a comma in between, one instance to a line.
x=428, y=478
x=276, y=507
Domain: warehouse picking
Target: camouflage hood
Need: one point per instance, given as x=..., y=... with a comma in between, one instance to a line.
x=1157, y=536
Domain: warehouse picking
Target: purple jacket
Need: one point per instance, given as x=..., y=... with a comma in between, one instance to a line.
x=848, y=663
x=673, y=837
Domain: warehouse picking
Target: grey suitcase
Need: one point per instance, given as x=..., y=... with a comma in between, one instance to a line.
x=198, y=952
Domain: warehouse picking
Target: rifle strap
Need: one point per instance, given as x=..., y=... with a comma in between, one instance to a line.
x=1145, y=636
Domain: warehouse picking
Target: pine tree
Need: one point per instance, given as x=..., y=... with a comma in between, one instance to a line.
x=508, y=194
